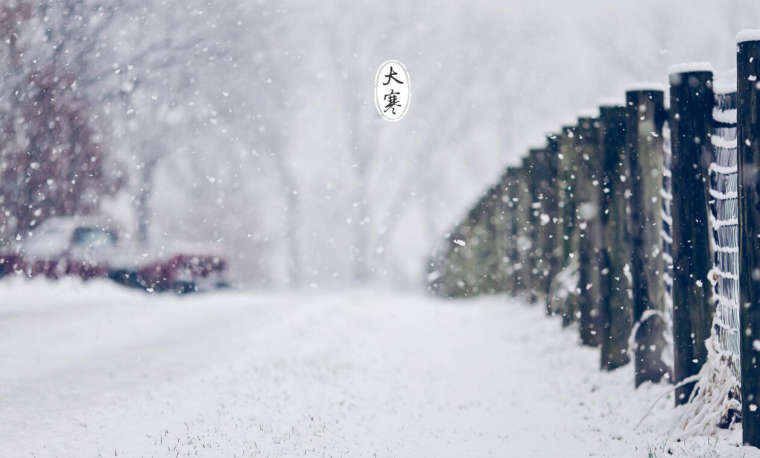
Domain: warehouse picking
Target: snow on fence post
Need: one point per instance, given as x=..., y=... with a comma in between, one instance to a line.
x=563, y=296
x=748, y=142
x=589, y=226
x=551, y=210
x=691, y=104
x=616, y=304
x=645, y=114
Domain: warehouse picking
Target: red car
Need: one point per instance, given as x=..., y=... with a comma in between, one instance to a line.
x=90, y=248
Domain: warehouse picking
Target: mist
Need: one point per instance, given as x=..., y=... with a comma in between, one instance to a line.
x=250, y=127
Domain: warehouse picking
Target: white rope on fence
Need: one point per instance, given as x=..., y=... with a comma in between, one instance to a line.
x=724, y=213
x=666, y=192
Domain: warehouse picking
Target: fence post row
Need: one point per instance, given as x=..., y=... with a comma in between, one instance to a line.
x=584, y=221
x=748, y=143
x=691, y=105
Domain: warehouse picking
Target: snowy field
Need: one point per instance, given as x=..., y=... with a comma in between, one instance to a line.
x=93, y=369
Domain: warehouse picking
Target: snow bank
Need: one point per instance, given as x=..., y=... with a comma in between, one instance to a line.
x=21, y=294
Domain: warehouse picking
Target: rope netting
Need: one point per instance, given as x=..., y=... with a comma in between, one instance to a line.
x=724, y=214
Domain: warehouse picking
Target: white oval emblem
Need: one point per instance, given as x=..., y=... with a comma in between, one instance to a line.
x=393, y=90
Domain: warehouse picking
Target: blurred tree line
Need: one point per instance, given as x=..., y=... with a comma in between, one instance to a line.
x=52, y=158
x=250, y=125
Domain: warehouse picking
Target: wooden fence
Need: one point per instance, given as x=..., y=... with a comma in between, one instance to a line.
x=640, y=226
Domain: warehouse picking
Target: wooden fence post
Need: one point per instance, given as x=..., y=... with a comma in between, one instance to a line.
x=465, y=261
x=485, y=263
x=551, y=210
x=691, y=105
x=748, y=142
x=452, y=268
x=532, y=231
x=590, y=237
x=645, y=114
x=496, y=224
x=567, y=235
x=524, y=238
x=502, y=237
x=467, y=282
x=485, y=229
x=513, y=231
x=616, y=304
x=540, y=176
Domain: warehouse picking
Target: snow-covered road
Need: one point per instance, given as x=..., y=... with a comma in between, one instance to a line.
x=97, y=370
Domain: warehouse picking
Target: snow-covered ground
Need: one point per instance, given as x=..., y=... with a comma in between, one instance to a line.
x=93, y=369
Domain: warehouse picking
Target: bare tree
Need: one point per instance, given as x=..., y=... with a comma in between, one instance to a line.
x=52, y=159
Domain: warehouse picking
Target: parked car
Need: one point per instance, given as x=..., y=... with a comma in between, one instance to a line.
x=181, y=273
x=91, y=248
